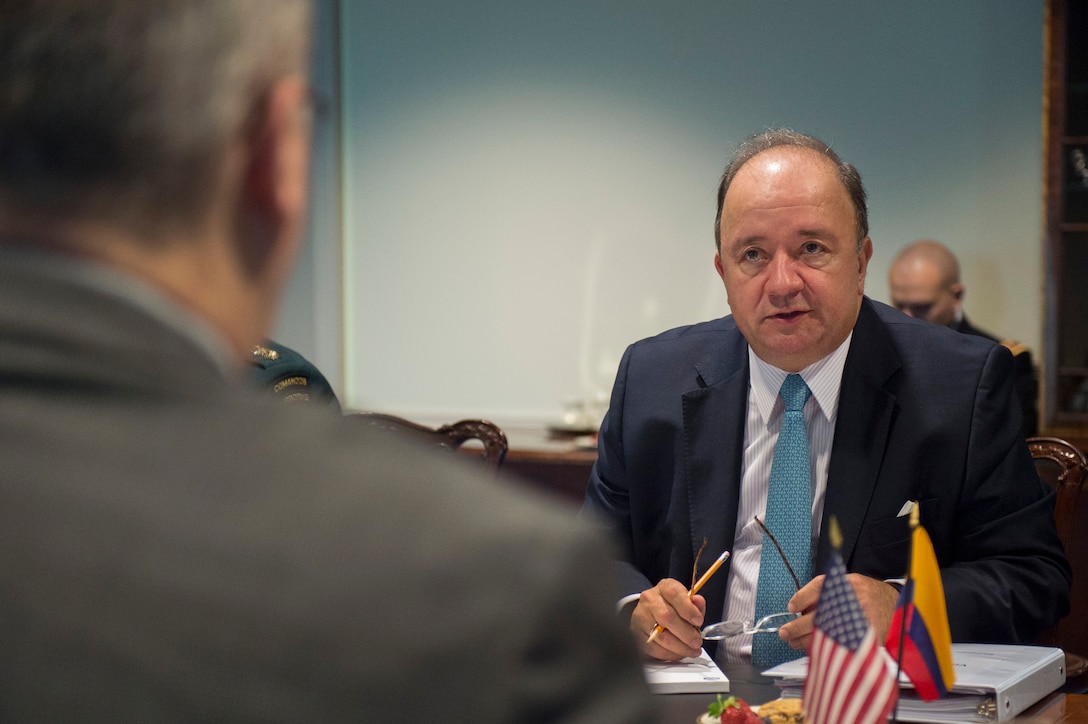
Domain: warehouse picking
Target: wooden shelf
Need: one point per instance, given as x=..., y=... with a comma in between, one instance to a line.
x=1066, y=232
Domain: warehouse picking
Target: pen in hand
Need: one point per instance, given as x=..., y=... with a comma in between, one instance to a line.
x=694, y=589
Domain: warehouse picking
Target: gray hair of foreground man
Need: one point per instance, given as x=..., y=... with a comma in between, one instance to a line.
x=760, y=142
x=119, y=110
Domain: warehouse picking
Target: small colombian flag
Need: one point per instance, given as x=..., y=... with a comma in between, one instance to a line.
x=920, y=623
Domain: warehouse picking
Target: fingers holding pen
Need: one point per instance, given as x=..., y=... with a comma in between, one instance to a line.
x=679, y=616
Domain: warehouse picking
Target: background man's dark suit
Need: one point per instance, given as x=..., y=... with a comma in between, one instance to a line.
x=178, y=549
x=924, y=415
x=1027, y=385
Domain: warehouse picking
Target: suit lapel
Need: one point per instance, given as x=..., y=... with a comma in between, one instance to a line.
x=713, y=438
x=861, y=431
x=713, y=443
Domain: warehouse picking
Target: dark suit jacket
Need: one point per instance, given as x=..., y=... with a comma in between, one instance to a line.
x=924, y=414
x=1027, y=383
x=174, y=548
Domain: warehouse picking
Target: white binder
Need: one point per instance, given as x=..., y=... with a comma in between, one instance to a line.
x=994, y=683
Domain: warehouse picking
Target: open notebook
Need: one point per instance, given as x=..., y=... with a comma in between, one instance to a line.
x=686, y=676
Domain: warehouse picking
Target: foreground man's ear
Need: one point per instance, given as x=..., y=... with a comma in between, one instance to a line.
x=275, y=176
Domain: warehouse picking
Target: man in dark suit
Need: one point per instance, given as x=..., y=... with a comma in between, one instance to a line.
x=174, y=545
x=924, y=281
x=900, y=411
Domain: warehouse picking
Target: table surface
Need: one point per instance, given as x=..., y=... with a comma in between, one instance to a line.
x=561, y=463
x=746, y=683
x=539, y=441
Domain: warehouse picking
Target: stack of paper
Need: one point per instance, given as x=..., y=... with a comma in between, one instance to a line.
x=686, y=676
x=994, y=682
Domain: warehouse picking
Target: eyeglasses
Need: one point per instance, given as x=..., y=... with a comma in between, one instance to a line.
x=767, y=624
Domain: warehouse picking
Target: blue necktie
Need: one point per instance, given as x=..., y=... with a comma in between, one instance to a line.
x=789, y=517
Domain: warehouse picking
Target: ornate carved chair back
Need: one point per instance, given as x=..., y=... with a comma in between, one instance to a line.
x=1063, y=466
x=450, y=436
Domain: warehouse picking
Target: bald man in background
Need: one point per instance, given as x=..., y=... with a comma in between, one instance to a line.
x=925, y=283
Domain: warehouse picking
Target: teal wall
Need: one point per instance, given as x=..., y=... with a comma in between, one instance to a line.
x=527, y=187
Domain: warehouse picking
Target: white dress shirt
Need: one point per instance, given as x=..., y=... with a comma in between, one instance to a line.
x=764, y=420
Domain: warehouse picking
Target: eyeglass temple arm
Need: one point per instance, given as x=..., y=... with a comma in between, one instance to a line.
x=781, y=552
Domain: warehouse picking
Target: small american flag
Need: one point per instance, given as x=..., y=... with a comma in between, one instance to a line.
x=851, y=678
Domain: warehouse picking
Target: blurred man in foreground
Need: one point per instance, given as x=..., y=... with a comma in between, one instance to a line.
x=925, y=283
x=173, y=545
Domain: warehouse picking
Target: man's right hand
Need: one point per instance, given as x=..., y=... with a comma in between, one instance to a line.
x=668, y=604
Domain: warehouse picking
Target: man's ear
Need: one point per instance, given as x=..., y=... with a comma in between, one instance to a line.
x=864, y=255
x=276, y=175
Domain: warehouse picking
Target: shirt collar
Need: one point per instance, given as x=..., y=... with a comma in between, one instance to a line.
x=823, y=377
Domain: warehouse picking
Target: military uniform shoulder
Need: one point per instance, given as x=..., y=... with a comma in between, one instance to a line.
x=288, y=375
x=271, y=355
x=263, y=356
x=1017, y=348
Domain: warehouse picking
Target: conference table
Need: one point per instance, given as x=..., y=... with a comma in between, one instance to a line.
x=747, y=683
x=560, y=464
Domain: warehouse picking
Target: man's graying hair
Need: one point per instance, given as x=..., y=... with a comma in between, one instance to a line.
x=760, y=142
x=120, y=110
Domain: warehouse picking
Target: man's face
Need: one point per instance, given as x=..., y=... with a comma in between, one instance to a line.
x=918, y=290
x=789, y=257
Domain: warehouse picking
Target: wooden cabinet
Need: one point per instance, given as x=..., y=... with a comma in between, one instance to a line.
x=1066, y=202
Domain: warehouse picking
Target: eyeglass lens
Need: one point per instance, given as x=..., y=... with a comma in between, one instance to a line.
x=767, y=624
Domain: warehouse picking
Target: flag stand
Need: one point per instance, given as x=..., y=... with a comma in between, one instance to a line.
x=914, y=519
x=850, y=674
